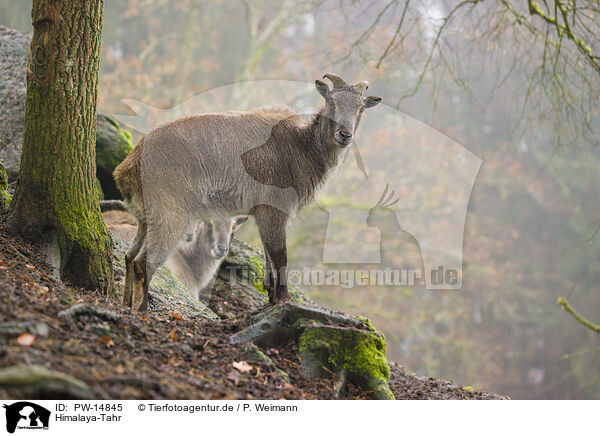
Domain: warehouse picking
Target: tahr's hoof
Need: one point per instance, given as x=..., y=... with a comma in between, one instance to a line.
x=285, y=298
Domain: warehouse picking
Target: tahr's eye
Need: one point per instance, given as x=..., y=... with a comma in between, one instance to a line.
x=362, y=109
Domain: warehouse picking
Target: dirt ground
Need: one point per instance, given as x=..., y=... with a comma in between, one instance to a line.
x=157, y=355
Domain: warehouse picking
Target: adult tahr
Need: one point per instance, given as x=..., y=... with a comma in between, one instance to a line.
x=267, y=162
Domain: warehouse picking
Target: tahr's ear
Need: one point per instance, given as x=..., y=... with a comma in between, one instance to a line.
x=372, y=101
x=239, y=221
x=322, y=88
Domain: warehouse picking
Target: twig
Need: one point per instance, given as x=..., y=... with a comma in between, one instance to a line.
x=584, y=49
x=566, y=306
x=391, y=43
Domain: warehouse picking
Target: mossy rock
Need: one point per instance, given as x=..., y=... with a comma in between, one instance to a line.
x=23, y=381
x=282, y=323
x=113, y=144
x=167, y=293
x=357, y=355
x=343, y=344
x=245, y=263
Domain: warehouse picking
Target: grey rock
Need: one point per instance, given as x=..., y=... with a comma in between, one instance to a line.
x=283, y=322
x=18, y=328
x=14, y=56
x=23, y=381
x=72, y=313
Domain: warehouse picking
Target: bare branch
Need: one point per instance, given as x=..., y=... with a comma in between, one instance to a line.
x=566, y=306
x=393, y=40
x=584, y=49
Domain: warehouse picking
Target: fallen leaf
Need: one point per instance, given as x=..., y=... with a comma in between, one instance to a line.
x=242, y=366
x=176, y=316
x=26, y=340
x=107, y=340
x=172, y=336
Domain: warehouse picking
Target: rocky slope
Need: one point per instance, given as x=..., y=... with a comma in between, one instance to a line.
x=61, y=342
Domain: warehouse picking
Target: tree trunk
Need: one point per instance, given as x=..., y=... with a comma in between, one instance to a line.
x=56, y=189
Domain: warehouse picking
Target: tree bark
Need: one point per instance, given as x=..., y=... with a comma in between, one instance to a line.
x=56, y=189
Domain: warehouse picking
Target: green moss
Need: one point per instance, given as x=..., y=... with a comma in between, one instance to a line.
x=113, y=144
x=4, y=195
x=99, y=190
x=5, y=199
x=359, y=354
x=367, y=323
x=84, y=241
x=258, y=262
x=250, y=259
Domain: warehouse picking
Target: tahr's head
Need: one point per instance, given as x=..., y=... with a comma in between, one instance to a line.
x=217, y=233
x=344, y=105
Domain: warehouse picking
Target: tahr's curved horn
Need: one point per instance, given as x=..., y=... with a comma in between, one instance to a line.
x=362, y=86
x=335, y=79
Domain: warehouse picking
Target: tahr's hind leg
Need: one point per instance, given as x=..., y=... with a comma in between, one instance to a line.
x=140, y=281
x=135, y=248
x=161, y=239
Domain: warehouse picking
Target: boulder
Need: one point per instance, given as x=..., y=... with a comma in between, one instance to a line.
x=112, y=142
x=352, y=354
x=24, y=381
x=14, y=56
x=329, y=343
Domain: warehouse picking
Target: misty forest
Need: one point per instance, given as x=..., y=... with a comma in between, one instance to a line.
x=475, y=166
